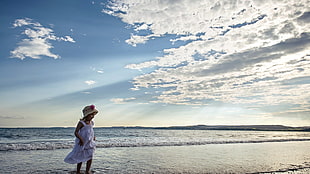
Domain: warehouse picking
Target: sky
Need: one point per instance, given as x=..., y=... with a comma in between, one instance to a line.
x=155, y=62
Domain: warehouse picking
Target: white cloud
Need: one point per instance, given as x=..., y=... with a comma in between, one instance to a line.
x=98, y=70
x=37, y=42
x=136, y=39
x=66, y=39
x=240, y=52
x=25, y=21
x=86, y=92
x=34, y=48
x=90, y=82
x=122, y=100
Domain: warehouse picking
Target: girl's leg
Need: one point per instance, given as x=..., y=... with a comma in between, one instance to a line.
x=88, y=164
x=78, y=168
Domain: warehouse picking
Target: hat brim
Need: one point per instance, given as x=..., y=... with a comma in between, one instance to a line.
x=95, y=111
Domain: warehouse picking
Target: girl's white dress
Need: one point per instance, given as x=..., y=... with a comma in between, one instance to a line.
x=85, y=152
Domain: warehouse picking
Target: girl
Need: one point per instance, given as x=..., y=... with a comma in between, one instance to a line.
x=84, y=147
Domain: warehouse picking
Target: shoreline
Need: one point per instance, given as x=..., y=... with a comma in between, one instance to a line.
x=252, y=158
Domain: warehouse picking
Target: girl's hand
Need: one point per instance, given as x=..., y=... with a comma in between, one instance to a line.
x=81, y=143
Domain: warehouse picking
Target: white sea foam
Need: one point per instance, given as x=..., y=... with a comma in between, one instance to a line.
x=131, y=143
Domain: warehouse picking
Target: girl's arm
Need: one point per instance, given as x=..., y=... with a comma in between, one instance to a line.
x=76, y=133
x=93, y=125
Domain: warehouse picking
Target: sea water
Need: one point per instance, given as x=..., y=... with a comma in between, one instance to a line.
x=130, y=150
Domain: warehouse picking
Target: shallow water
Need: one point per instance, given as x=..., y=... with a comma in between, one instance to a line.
x=42, y=150
x=62, y=138
x=270, y=157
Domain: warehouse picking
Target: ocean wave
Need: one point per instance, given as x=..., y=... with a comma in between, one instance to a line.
x=111, y=144
x=34, y=146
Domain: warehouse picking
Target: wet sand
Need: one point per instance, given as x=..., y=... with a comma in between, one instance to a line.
x=282, y=157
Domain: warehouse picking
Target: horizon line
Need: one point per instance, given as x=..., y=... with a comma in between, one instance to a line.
x=175, y=126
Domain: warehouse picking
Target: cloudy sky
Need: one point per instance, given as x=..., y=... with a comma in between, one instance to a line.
x=155, y=62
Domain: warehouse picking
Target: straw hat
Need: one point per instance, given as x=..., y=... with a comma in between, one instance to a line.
x=89, y=110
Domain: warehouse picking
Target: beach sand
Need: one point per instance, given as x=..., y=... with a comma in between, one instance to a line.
x=282, y=157
x=301, y=171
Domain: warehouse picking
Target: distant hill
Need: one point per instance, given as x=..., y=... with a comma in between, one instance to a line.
x=227, y=127
x=240, y=127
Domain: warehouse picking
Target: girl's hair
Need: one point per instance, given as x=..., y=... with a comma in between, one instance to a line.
x=82, y=118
